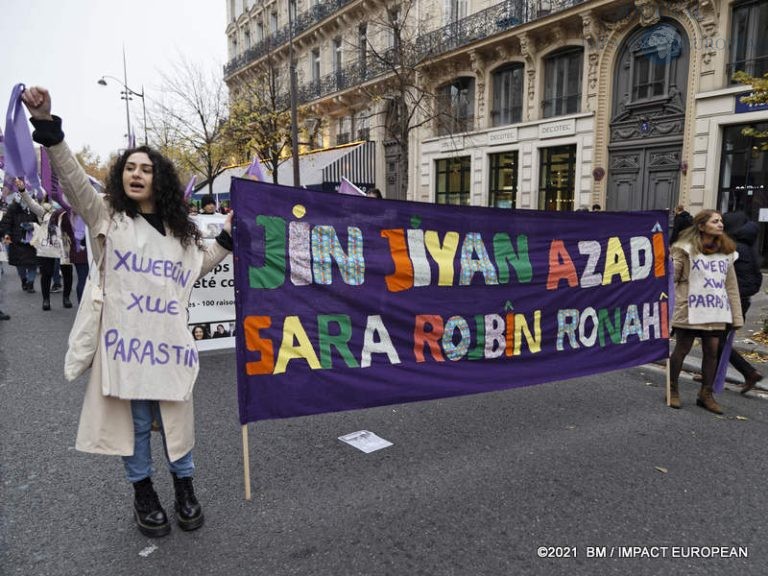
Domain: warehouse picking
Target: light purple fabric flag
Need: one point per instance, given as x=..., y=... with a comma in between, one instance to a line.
x=98, y=186
x=131, y=140
x=255, y=171
x=78, y=227
x=190, y=187
x=722, y=366
x=346, y=187
x=20, y=157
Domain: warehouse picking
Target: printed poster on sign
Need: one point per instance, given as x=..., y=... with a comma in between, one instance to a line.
x=212, y=304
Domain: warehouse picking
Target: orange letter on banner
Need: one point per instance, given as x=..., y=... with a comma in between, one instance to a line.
x=658, y=255
x=560, y=266
x=420, y=337
x=510, y=340
x=402, y=278
x=664, y=320
x=255, y=343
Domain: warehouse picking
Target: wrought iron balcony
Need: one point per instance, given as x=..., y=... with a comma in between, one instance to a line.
x=304, y=21
x=475, y=27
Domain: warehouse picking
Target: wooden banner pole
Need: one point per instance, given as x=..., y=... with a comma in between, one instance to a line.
x=247, y=465
x=669, y=386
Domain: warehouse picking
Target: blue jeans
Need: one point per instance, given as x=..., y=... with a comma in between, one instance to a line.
x=27, y=273
x=139, y=466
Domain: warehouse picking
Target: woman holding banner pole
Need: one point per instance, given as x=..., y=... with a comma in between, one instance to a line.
x=145, y=362
x=706, y=300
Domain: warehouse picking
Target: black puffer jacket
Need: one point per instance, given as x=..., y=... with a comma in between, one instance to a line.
x=744, y=232
x=13, y=223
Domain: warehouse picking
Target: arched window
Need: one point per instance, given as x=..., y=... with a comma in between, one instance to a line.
x=456, y=106
x=508, y=84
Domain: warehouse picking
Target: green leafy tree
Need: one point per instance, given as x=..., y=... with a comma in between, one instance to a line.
x=259, y=120
x=759, y=95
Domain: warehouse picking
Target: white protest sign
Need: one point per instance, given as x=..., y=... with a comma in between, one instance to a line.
x=212, y=303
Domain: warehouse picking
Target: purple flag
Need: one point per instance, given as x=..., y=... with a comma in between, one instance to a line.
x=254, y=170
x=20, y=158
x=98, y=186
x=346, y=187
x=190, y=187
x=722, y=365
x=131, y=140
x=343, y=305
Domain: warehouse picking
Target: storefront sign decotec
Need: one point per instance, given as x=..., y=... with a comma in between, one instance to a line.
x=556, y=129
x=498, y=137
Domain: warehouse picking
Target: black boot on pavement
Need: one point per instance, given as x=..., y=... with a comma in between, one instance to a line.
x=67, y=302
x=147, y=511
x=4, y=316
x=189, y=513
x=46, y=304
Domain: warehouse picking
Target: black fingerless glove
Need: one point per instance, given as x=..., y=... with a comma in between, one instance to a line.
x=47, y=132
x=225, y=240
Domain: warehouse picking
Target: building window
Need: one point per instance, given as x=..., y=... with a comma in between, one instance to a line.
x=344, y=130
x=393, y=33
x=557, y=178
x=292, y=11
x=452, y=183
x=337, y=64
x=273, y=23
x=503, y=184
x=651, y=62
x=259, y=31
x=562, y=83
x=508, y=95
x=743, y=172
x=749, y=41
x=362, y=128
x=362, y=47
x=456, y=106
x=315, y=64
x=454, y=10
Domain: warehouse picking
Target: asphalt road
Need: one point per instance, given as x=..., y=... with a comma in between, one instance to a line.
x=471, y=486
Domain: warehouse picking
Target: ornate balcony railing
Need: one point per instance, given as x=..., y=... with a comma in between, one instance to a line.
x=480, y=25
x=304, y=22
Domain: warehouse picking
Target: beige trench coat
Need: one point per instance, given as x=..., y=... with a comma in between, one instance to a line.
x=106, y=424
x=682, y=261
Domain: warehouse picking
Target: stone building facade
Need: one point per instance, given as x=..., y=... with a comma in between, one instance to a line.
x=551, y=105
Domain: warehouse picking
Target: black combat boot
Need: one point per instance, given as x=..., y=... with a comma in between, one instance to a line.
x=189, y=513
x=149, y=514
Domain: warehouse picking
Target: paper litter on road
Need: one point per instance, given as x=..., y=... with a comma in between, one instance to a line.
x=148, y=550
x=366, y=441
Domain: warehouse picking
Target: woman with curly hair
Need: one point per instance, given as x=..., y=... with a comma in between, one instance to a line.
x=706, y=300
x=145, y=363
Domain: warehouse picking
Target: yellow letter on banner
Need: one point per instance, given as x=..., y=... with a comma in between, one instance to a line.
x=293, y=331
x=615, y=262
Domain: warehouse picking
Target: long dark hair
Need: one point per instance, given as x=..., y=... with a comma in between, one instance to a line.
x=167, y=192
x=692, y=235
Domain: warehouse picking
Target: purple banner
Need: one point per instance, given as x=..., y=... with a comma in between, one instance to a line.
x=348, y=302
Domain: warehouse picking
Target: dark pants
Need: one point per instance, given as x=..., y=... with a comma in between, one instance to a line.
x=82, y=276
x=46, y=275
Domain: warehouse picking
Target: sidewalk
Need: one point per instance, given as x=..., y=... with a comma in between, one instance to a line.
x=743, y=343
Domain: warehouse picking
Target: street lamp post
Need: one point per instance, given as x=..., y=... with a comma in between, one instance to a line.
x=294, y=114
x=126, y=94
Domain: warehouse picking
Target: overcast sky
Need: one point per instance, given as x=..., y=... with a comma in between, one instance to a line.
x=67, y=45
